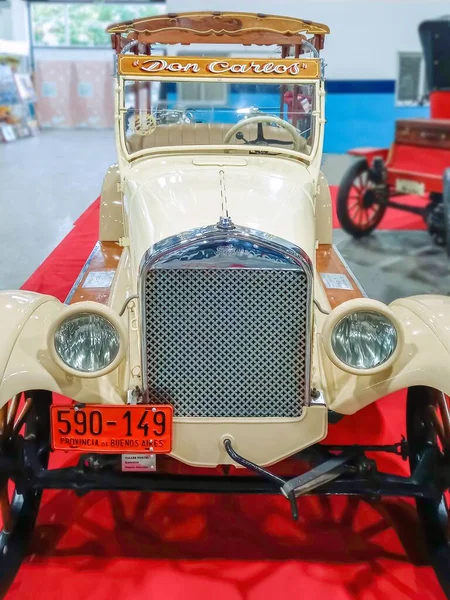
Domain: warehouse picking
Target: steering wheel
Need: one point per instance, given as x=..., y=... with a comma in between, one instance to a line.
x=298, y=141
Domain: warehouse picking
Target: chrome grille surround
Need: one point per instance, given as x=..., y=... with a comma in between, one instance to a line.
x=233, y=358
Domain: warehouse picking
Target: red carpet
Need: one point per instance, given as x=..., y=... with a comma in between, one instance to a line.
x=57, y=274
x=393, y=219
x=167, y=546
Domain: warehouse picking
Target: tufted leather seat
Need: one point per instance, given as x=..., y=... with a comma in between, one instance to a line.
x=208, y=134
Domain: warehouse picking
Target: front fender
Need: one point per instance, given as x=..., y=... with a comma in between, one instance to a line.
x=423, y=360
x=26, y=362
x=16, y=307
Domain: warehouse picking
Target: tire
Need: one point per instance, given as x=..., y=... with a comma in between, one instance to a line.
x=14, y=543
x=434, y=515
x=355, y=192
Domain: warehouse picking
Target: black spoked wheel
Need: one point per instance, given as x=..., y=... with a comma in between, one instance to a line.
x=360, y=202
x=428, y=427
x=26, y=415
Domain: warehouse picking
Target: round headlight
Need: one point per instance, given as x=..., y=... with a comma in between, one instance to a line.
x=87, y=342
x=364, y=339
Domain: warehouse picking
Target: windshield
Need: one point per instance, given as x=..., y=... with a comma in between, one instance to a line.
x=171, y=113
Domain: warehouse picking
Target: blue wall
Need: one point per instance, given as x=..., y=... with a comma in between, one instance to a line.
x=363, y=113
x=236, y=99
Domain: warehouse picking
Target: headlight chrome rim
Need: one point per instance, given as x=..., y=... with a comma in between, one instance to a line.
x=89, y=308
x=362, y=305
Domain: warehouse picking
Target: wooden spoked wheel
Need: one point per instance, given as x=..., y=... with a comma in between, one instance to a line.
x=428, y=428
x=360, y=206
x=24, y=416
x=11, y=423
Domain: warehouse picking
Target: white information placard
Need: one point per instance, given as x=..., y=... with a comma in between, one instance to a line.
x=99, y=279
x=139, y=463
x=336, y=281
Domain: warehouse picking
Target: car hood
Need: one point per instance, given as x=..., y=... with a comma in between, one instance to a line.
x=167, y=196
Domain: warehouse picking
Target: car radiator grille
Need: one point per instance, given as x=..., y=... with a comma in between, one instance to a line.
x=227, y=342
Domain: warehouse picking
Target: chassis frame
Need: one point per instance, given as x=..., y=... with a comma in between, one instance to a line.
x=351, y=473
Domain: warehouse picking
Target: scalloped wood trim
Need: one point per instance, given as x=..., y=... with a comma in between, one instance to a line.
x=188, y=27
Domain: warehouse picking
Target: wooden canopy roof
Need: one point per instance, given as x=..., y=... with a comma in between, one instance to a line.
x=219, y=28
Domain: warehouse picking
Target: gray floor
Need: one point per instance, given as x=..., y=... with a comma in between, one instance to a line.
x=395, y=264
x=48, y=181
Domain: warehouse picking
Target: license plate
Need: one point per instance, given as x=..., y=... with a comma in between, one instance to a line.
x=112, y=429
x=406, y=186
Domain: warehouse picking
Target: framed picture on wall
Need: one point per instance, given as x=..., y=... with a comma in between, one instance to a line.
x=7, y=133
x=25, y=88
x=8, y=89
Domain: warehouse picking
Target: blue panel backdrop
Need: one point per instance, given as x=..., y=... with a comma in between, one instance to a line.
x=363, y=113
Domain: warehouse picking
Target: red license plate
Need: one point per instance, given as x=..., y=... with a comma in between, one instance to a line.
x=113, y=429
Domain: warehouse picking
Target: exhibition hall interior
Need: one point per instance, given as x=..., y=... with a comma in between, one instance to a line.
x=225, y=299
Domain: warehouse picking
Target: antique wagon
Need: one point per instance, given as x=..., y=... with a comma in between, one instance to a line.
x=418, y=162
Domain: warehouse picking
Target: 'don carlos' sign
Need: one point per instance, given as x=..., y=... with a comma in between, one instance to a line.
x=219, y=67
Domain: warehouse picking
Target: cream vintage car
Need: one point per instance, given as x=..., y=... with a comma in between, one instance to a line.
x=215, y=324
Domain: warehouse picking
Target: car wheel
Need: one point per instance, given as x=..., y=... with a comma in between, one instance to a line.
x=428, y=428
x=360, y=206
x=26, y=415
